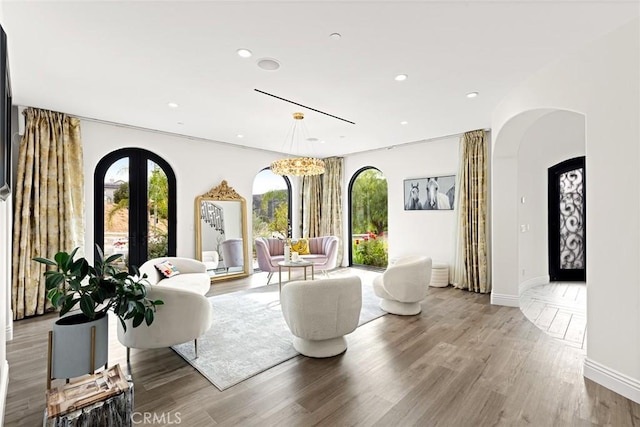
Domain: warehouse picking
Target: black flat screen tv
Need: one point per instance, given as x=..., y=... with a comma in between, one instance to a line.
x=5, y=119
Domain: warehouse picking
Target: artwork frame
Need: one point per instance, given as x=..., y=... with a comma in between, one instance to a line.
x=431, y=193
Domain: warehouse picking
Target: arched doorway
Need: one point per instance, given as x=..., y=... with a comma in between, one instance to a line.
x=135, y=206
x=368, y=219
x=271, y=206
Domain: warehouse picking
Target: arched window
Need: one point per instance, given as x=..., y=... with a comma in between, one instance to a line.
x=271, y=205
x=368, y=218
x=135, y=206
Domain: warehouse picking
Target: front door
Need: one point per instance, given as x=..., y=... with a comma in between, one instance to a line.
x=566, y=217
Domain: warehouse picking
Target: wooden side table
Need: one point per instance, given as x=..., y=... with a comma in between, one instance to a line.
x=105, y=398
x=292, y=264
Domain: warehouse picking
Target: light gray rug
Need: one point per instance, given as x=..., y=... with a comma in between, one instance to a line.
x=249, y=335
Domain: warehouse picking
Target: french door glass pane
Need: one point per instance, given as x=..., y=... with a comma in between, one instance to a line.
x=116, y=211
x=571, y=215
x=157, y=212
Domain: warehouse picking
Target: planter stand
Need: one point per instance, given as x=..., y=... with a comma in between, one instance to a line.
x=75, y=350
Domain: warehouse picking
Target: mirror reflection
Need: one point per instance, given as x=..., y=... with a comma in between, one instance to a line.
x=221, y=232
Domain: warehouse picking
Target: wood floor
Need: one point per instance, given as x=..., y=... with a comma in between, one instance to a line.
x=461, y=362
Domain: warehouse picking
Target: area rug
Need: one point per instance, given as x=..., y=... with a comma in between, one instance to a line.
x=249, y=335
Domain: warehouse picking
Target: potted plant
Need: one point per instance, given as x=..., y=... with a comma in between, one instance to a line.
x=95, y=290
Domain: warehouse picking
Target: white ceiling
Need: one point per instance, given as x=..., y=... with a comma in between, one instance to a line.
x=124, y=61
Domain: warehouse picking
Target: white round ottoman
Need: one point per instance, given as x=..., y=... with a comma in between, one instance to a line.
x=439, y=275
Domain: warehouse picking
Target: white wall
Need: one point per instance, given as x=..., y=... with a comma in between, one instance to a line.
x=5, y=284
x=411, y=232
x=600, y=81
x=198, y=166
x=555, y=137
x=201, y=165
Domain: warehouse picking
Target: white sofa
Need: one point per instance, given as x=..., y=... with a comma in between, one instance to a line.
x=193, y=274
x=186, y=313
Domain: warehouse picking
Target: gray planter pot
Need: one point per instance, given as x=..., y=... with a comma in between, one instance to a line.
x=71, y=350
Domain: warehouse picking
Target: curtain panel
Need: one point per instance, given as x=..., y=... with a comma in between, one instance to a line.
x=311, y=201
x=49, y=205
x=331, y=214
x=471, y=265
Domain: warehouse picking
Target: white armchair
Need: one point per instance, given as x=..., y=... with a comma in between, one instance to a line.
x=183, y=317
x=320, y=313
x=210, y=259
x=403, y=285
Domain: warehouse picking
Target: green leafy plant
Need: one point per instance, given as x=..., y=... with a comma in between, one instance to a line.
x=370, y=250
x=98, y=288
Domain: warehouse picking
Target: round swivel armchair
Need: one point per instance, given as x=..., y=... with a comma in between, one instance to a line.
x=403, y=285
x=320, y=313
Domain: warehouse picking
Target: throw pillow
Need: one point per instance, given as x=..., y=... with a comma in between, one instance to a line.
x=301, y=246
x=167, y=269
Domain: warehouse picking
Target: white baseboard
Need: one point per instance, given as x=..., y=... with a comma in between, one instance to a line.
x=613, y=380
x=534, y=281
x=4, y=385
x=504, y=299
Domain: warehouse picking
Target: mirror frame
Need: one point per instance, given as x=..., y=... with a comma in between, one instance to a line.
x=222, y=193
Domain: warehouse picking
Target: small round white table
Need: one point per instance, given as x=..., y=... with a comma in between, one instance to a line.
x=293, y=264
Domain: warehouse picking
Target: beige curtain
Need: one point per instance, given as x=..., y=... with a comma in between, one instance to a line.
x=49, y=205
x=331, y=214
x=471, y=267
x=311, y=202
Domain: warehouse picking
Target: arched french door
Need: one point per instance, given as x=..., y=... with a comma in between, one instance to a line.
x=135, y=206
x=271, y=205
x=368, y=225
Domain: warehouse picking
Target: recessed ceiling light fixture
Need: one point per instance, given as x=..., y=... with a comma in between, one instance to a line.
x=239, y=135
x=172, y=105
x=268, y=64
x=472, y=94
x=404, y=122
x=244, y=53
x=335, y=36
x=401, y=77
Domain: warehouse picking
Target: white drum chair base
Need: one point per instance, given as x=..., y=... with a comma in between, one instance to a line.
x=400, y=308
x=320, y=348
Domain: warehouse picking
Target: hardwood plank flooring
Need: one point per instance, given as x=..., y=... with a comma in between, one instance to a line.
x=461, y=362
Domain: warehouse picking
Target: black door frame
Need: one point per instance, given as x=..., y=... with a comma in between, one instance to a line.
x=138, y=222
x=553, y=214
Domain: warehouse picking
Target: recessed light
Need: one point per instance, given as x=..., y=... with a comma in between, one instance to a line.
x=172, y=105
x=239, y=135
x=322, y=141
x=244, y=53
x=268, y=64
x=335, y=36
x=180, y=123
x=401, y=77
x=472, y=94
x=404, y=122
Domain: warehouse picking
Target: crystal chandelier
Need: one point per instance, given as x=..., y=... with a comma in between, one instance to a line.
x=297, y=166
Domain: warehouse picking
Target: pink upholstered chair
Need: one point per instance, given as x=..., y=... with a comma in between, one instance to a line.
x=323, y=254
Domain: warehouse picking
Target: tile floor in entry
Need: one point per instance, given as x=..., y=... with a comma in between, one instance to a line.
x=559, y=309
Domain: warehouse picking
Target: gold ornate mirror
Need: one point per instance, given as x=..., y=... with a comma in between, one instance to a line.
x=221, y=233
